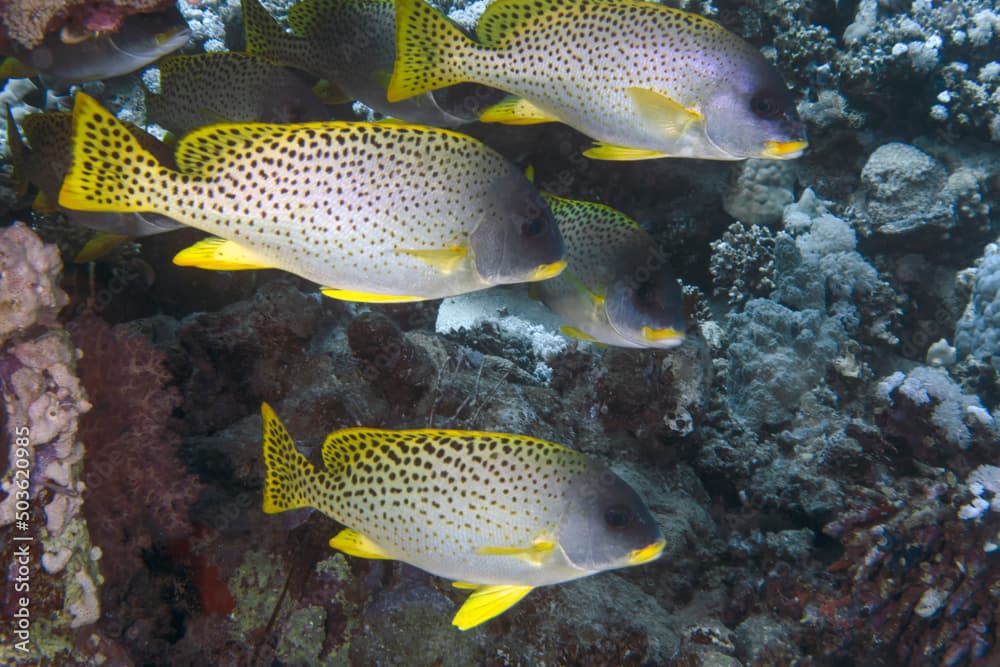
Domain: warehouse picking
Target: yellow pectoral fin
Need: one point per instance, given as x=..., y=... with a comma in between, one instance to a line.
x=213, y=116
x=535, y=553
x=513, y=110
x=221, y=255
x=660, y=335
x=603, y=151
x=666, y=113
x=444, y=260
x=327, y=92
x=367, y=297
x=573, y=332
x=487, y=602
x=382, y=78
x=465, y=585
x=12, y=68
x=356, y=544
x=389, y=120
x=99, y=246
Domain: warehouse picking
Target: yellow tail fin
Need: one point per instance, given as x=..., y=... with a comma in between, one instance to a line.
x=429, y=51
x=111, y=171
x=288, y=471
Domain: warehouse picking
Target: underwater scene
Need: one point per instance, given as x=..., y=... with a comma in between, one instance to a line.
x=502, y=333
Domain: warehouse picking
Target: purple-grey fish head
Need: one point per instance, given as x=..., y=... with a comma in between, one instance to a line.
x=752, y=114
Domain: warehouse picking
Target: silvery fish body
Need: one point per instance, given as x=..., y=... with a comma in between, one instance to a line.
x=501, y=513
x=643, y=79
x=371, y=212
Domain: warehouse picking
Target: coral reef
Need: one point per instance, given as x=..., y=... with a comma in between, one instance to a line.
x=821, y=452
x=978, y=332
x=52, y=567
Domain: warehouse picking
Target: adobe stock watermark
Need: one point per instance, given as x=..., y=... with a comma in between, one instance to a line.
x=19, y=569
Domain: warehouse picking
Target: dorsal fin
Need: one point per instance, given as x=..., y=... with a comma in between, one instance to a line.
x=346, y=446
x=265, y=37
x=587, y=212
x=503, y=16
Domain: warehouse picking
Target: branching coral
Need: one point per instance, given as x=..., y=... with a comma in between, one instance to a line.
x=742, y=262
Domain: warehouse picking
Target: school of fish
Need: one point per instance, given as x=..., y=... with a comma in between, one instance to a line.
x=405, y=209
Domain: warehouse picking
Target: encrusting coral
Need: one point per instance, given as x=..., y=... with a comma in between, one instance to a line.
x=40, y=519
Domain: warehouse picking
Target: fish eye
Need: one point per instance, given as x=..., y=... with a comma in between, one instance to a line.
x=535, y=224
x=764, y=105
x=618, y=516
x=644, y=292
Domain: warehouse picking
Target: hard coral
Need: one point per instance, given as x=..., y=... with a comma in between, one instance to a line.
x=42, y=400
x=28, y=21
x=742, y=263
x=922, y=583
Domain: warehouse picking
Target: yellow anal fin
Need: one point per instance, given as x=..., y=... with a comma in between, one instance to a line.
x=603, y=151
x=465, y=585
x=355, y=544
x=444, y=260
x=488, y=602
x=99, y=246
x=367, y=297
x=672, y=117
x=220, y=255
x=573, y=332
x=513, y=110
x=42, y=204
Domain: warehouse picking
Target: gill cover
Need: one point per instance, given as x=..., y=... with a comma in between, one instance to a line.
x=607, y=524
x=645, y=304
x=753, y=112
x=517, y=238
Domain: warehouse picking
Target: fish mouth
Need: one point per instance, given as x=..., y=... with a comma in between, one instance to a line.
x=784, y=150
x=646, y=554
x=669, y=334
x=546, y=271
x=172, y=35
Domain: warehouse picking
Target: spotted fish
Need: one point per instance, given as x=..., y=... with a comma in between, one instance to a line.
x=499, y=513
x=372, y=212
x=206, y=88
x=44, y=160
x=618, y=288
x=352, y=44
x=642, y=79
